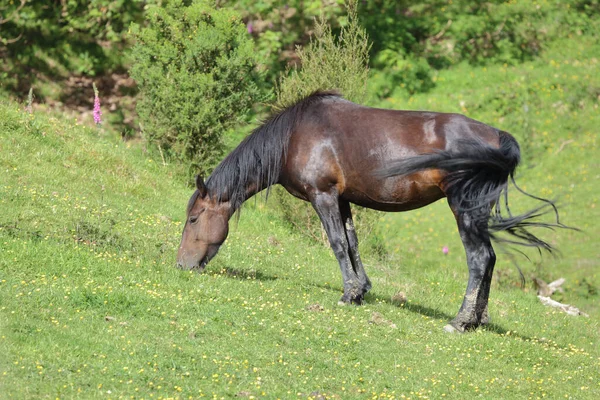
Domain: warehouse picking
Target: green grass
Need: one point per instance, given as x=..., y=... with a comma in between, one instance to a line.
x=91, y=306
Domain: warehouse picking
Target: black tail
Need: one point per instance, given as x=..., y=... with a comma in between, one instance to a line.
x=478, y=175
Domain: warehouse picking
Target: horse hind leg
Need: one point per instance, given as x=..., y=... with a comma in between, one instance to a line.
x=350, y=230
x=327, y=207
x=472, y=226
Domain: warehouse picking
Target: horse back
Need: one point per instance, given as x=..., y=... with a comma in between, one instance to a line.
x=339, y=145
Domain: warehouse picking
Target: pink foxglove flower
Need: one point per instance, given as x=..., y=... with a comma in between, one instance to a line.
x=97, y=112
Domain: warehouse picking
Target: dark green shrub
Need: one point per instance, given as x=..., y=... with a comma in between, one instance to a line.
x=195, y=67
x=395, y=71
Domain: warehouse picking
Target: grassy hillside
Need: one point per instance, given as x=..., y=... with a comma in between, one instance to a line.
x=91, y=306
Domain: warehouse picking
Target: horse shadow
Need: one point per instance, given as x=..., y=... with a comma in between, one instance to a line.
x=442, y=316
x=242, y=274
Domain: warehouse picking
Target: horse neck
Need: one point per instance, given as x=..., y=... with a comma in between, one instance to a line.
x=256, y=163
x=237, y=187
x=252, y=188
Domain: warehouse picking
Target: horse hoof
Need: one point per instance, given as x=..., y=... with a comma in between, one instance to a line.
x=451, y=329
x=356, y=301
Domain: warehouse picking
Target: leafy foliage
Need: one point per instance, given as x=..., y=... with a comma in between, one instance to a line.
x=195, y=67
x=278, y=26
x=412, y=39
x=60, y=38
x=479, y=32
x=394, y=71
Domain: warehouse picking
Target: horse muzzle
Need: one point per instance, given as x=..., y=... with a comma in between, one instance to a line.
x=198, y=267
x=192, y=263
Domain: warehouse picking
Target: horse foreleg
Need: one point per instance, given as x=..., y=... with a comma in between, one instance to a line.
x=481, y=260
x=327, y=207
x=357, y=264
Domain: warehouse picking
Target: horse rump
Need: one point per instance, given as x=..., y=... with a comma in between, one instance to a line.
x=477, y=179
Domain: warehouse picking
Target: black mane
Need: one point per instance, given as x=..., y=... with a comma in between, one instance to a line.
x=257, y=161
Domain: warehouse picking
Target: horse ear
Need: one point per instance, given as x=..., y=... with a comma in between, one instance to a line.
x=200, y=185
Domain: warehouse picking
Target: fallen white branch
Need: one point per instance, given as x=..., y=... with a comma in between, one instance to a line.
x=569, y=309
x=547, y=289
x=556, y=285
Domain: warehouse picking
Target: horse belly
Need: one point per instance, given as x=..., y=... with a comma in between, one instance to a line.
x=396, y=193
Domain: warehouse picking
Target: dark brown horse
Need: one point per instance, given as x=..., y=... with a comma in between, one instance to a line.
x=332, y=152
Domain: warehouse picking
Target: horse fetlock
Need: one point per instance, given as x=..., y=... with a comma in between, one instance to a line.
x=485, y=318
x=366, y=286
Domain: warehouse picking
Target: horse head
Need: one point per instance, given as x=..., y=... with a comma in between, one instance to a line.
x=205, y=230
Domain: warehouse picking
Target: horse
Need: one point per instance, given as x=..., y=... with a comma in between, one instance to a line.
x=331, y=152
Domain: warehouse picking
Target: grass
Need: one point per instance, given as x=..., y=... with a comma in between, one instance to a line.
x=91, y=306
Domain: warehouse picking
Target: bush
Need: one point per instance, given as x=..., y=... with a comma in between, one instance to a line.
x=195, y=67
x=330, y=63
x=395, y=71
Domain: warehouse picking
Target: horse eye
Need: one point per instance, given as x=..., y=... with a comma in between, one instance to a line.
x=194, y=219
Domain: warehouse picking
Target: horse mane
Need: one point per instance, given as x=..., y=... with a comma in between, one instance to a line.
x=257, y=160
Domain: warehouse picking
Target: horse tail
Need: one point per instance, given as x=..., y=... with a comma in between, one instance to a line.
x=477, y=179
